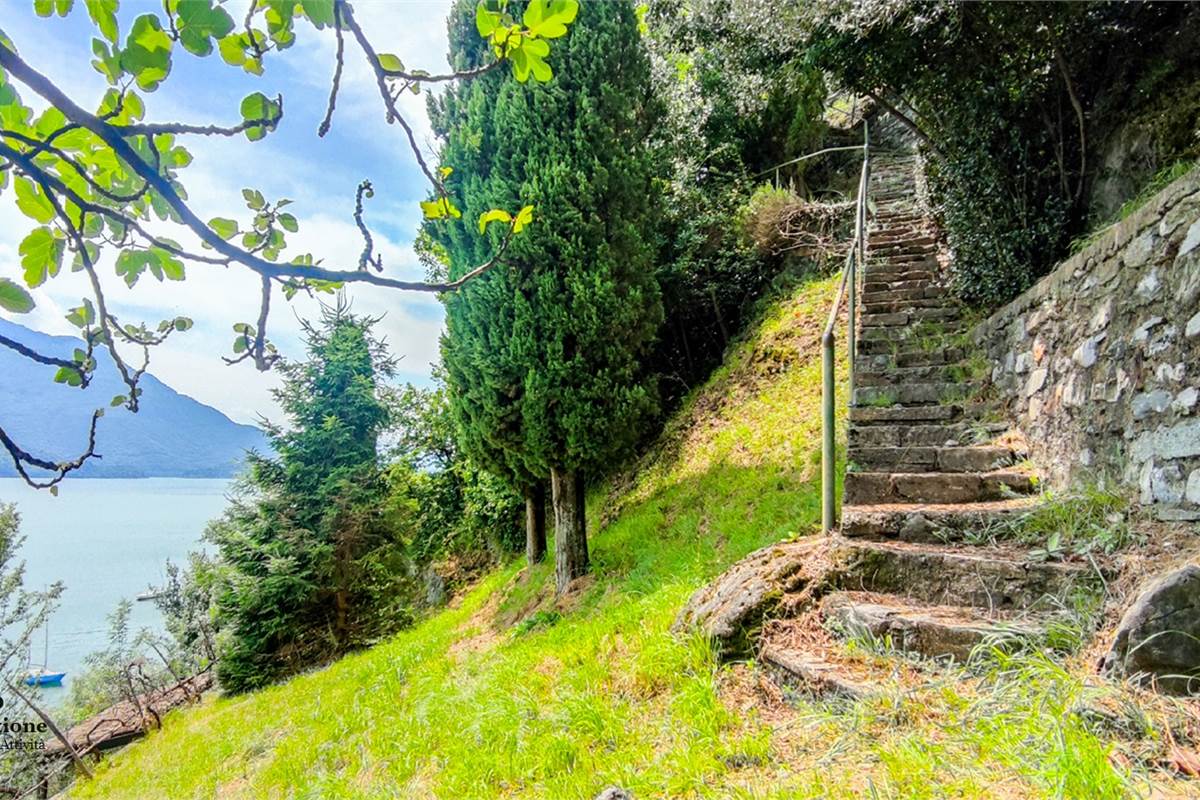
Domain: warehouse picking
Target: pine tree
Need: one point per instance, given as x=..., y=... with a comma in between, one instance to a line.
x=543, y=357
x=296, y=549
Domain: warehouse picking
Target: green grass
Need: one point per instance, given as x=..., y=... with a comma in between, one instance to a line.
x=510, y=694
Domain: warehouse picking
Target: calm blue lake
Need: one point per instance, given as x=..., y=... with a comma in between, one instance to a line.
x=106, y=539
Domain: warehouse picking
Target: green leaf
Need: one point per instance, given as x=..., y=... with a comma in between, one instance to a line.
x=69, y=376
x=147, y=53
x=14, y=298
x=232, y=51
x=32, y=201
x=83, y=315
x=549, y=19
x=41, y=256
x=486, y=21
x=254, y=199
x=171, y=267
x=43, y=8
x=183, y=324
x=390, y=62
x=118, y=400
x=289, y=223
x=319, y=12
x=225, y=228
x=258, y=107
x=104, y=15
x=524, y=217
x=495, y=215
x=132, y=263
x=199, y=23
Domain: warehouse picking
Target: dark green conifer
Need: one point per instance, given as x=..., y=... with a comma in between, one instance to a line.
x=543, y=355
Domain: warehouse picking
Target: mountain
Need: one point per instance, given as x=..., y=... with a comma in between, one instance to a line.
x=172, y=435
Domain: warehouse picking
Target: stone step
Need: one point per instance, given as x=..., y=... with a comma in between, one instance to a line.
x=797, y=669
x=890, y=295
x=986, y=578
x=922, y=435
x=925, y=522
x=896, y=238
x=931, y=631
x=892, y=275
x=904, y=305
x=911, y=333
x=871, y=285
x=932, y=459
x=903, y=318
x=867, y=415
x=906, y=394
x=868, y=488
x=889, y=342
x=907, y=360
x=890, y=376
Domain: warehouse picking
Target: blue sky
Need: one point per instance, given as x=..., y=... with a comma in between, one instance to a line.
x=320, y=175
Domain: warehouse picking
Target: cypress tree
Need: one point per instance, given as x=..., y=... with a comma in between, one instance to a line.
x=543, y=355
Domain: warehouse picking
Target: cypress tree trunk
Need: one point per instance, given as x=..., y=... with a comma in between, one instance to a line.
x=570, y=532
x=535, y=523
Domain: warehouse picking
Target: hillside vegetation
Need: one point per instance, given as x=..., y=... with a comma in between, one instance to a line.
x=509, y=693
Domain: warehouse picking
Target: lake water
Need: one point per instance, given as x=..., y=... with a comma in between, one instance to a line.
x=106, y=539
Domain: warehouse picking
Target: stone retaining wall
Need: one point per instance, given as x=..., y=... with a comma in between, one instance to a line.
x=1099, y=362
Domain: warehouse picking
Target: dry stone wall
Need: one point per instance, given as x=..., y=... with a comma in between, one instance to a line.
x=1099, y=362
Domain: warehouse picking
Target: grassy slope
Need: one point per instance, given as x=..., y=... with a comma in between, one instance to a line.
x=470, y=705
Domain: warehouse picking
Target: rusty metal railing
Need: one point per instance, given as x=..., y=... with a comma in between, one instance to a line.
x=855, y=262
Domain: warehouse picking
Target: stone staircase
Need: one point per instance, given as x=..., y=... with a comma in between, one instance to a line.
x=925, y=480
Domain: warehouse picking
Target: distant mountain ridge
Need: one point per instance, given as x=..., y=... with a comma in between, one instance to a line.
x=172, y=435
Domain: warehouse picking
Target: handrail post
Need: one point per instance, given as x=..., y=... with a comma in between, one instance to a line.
x=828, y=452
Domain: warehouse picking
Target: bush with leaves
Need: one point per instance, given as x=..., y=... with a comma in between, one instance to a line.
x=441, y=502
x=737, y=100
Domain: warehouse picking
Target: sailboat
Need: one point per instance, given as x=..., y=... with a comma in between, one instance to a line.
x=42, y=676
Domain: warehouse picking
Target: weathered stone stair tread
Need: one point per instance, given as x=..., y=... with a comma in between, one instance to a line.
x=908, y=358
x=863, y=488
x=914, y=393
x=921, y=435
x=955, y=458
x=986, y=578
x=868, y=414
x=800, y=669
x=930, y=522
x=933, y=631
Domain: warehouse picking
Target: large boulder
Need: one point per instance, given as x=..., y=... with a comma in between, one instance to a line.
x=1158, y=640
x=732, y=608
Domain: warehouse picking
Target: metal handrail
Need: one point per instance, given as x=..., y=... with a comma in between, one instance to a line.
x=806, y=157
x=854, y=259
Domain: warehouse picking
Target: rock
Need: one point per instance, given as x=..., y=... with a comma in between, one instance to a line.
x=1156, y=402
x=1037, y=379
x=1148, y=286
x=1186, y=400
x=1178, y=441
x=1190, y=240
x=1085, y=354
x=1193, y=326
x=614, y=793
x=734, y=605
x=1192, y=493
x=1158, y=640
x=1142, y=332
